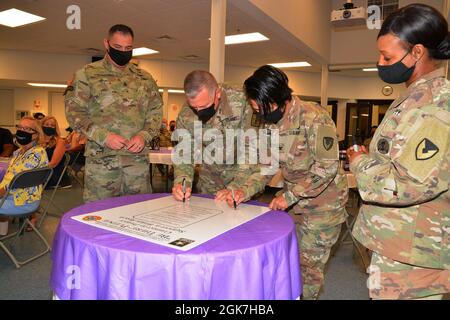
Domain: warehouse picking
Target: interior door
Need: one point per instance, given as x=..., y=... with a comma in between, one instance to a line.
x=57, y=109
x=359, y=122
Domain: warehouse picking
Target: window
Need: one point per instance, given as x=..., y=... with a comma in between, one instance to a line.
x=387, y=6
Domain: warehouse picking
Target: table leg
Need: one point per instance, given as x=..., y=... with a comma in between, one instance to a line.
x=151, y=175
x=167, y=177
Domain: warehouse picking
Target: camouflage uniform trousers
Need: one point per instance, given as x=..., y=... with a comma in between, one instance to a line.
x=116, y=176
x=391, y=279
x=315, y=241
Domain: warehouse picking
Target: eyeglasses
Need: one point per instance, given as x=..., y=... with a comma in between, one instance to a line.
x=26, y=129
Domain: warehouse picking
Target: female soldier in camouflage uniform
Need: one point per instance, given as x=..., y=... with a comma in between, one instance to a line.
x=404, y=179
x=309, y=163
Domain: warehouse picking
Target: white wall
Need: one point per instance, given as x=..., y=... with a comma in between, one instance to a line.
x=35, y=66
x=25, y=99
x=306, y=20
x=176, y=102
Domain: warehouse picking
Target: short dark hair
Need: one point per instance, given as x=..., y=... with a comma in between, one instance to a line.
x=123, y=29
x=268, y=85
x=420, y=24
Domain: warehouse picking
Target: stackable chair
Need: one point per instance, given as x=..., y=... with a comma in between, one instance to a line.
x=75, y=167
x=26, y=179
x=52, y=195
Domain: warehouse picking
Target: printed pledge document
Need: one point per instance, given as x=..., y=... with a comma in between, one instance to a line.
x=173, y=224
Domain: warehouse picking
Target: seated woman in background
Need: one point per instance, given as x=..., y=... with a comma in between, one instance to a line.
x=55, y=147
x=31, y=155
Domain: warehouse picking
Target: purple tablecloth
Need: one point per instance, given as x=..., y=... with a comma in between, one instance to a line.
x=3, y=168
x=255, y=261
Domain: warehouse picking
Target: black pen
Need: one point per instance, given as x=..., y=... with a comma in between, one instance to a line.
x=184, y=189
x=234, y=201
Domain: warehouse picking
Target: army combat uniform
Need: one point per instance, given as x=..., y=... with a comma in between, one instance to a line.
x=309, y=162
x=104, y=99
x=405, y=183
x=165, y=138
x=233, y=113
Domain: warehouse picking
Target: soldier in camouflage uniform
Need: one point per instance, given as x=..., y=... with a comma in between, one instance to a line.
x=218, y=107
x=404, y=179
x=309, y=162
x=165, y=136
x=118, y=107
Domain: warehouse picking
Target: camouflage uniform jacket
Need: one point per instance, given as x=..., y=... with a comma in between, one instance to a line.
x=405, y=178
x=309, y=161
x=165, y=138
x=104, y=99
x=233, y=113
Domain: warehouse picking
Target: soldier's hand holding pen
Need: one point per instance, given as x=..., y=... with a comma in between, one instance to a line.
x=136, y=144
x=239, y=197
x=178, y=194
x=116, y=142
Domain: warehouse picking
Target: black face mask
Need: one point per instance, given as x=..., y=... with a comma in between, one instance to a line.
x=23, y=138
x=120, y=58
x=205, y=114
x=49, y=131
x=396, y=73
x=274, y=116
x=172, y=128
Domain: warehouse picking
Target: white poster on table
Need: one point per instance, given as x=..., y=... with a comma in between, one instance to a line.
x=173, y=224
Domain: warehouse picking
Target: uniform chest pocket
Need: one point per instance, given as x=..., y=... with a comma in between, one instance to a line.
x=108, y=92
x=292, y=145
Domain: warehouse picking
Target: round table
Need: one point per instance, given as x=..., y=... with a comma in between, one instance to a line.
x=258, y=260
x=161, y=156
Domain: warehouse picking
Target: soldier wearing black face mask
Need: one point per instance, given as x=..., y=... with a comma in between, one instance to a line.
x=403, y=176
x=218, y=107
x=117, y=106
x=309, y=162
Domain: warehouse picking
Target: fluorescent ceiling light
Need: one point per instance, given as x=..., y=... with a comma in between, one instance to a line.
x=291, y=64
x=245, y=38
x=47, y=85
x=16, y=18
x=172, y=91
x=143, y=51
x=370, y=69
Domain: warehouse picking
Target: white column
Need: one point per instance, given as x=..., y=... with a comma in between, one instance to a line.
x=165, y=97
x=324, y=86
x=217, y=46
